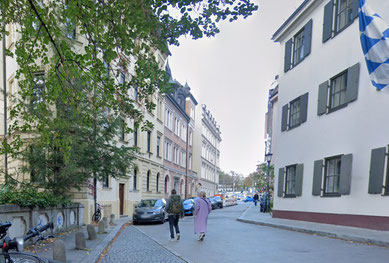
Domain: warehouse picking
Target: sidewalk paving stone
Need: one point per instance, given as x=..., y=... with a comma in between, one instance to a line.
x=252, y=215
x=94, y=247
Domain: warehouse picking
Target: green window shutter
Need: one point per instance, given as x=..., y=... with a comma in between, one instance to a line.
x=345, y=174
x=352, y=83
x=280, y=190
x=322, y=99
x=307, y=38
x=288, y=55
x=377, y=170
x=284, y=120
x=303, y=107
x=328, y=19
x=355, y=8
x=317, y=177
x=299, y=179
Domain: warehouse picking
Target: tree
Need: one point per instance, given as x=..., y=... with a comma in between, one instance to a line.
x=95, y=57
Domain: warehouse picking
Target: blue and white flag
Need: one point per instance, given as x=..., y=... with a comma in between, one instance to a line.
x=375, y=45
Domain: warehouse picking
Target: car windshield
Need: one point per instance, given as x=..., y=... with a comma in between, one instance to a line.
x=150, y=203
x=188, y=201
x=217, y=198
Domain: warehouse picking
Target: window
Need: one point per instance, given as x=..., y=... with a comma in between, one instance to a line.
x=148, y=181
x=344, y=14
x=135, y=178
x=298, y=47
x=331, y=175
x=183, y=159
x=136, y=93
x=157, y=183
x=148, y=141
x=122, y=76
x=294, y=113
x=338, y=15
x=105, y=181
x=176, y=157
x=177, y=127
x=122, y=129
x=290, y=181
x=338, y=91
x=39, y=88
x=135, y=136
x=158, y=145
x=190, y=138
x=190, y=162
x=183, y=132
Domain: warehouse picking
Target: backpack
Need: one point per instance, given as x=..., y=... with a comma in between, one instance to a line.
x=175, y=205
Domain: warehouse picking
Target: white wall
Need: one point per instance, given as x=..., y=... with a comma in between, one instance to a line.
x=357, y=128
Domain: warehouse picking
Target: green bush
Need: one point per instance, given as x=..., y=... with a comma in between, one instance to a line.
x=27, y=196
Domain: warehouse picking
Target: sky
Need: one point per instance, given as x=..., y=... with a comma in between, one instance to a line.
x=232, y=73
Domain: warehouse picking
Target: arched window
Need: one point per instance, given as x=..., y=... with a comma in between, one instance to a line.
x=148, y=181
x=157, y=183
x=135, y=178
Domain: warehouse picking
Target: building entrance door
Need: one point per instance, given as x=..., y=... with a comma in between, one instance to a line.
x=121, y=198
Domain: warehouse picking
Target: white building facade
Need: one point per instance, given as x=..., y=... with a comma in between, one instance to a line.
x=331, y=134
x=208, y=137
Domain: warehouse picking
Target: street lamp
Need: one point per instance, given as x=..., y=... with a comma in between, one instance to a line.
x=268, y=157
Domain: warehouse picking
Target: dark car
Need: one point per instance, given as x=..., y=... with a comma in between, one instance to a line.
x=213, y=202
x=219, y=201
x=150, y=210
x=189, y=205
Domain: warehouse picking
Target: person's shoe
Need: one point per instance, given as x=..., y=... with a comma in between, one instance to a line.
x=172, y=239
x=201, y=237
x=178, y=236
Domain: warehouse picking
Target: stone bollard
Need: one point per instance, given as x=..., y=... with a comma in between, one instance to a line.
x=105, y=220
x=101, y=227
x=112, y=219
x=59, y=253
x=91, y=232
x=80, y=241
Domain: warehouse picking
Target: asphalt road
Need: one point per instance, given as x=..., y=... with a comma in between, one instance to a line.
x=228, y=240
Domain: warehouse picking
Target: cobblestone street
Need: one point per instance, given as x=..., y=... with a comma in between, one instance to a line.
x=134, y=246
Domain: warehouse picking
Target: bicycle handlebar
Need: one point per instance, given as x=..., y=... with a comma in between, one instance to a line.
x=36, y=231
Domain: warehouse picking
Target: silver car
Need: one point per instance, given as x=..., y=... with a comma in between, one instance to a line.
x=150, y=210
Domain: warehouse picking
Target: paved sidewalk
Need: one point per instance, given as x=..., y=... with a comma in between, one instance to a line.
x=252, y=215
x=133, y=246
x=94, y=247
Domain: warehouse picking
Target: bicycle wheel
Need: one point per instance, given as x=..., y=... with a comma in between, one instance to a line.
x=19, y=257
x=96, y=216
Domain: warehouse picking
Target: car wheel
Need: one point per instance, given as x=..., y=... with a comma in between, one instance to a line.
x=134, y=222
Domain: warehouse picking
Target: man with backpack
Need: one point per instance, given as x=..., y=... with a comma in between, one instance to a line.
x=175, y=210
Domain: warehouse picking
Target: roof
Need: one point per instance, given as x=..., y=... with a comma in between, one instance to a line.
x=294, y=14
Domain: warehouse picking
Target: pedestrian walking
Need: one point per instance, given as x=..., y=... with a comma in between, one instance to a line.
x=202, y=209
x=175, y=210
x=256, y=198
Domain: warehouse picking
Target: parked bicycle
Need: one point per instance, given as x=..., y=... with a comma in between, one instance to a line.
x=17, y=245
x=97, y=215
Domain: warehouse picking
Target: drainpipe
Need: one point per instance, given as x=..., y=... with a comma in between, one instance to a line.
x=5, y=106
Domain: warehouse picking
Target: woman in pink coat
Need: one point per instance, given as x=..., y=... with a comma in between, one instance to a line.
x=202, y=209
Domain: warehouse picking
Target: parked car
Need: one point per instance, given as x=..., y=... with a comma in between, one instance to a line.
x=248, y=199
x=213, y=202
x=189, y=205
x=150, y=210
x=219, y=201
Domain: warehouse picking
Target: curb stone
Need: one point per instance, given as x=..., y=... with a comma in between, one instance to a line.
x=344, y=237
